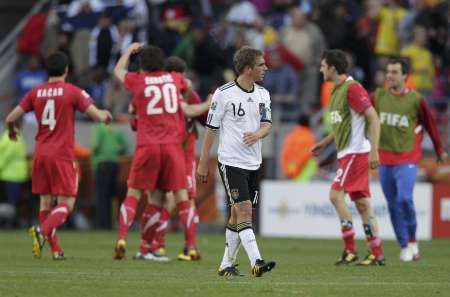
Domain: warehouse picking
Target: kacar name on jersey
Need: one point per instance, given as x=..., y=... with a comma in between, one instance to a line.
x=50, y=92
x=393, y=119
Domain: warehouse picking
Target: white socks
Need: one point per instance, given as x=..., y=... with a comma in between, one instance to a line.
x=251, y=247
x=233, y=242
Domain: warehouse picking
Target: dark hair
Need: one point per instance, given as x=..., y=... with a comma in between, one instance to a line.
x=303, y=120
x=151, y=58
x=245, y=56
x=404, y=65
x=176, y=64
x=56, y=64
x=337, y=59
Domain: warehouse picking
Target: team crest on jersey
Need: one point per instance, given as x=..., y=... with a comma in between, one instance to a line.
x=234, y=193
x=214, y=105
x=262, y=106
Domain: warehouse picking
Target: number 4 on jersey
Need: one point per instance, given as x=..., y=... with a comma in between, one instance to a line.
x=48, y=115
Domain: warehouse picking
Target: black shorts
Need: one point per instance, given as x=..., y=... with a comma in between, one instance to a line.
x=240, y=184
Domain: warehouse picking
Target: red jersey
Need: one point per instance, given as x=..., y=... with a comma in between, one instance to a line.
x=156, y=98
x=54, y=104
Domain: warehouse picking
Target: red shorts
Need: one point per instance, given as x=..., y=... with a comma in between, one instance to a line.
x=53, y=176
x=352, y=176
x=158, y=166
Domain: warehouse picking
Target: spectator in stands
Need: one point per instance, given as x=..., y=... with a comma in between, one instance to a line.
x=421, y=61
x=282, y=82
x=103, y=43
x=296, y=160
x=32, y=76
x=109, y=144
x=306, y=41
x=32, y=35
x=13, y=167
x=389, y=17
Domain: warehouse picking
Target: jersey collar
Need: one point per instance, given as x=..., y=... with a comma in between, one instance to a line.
x=246, y=91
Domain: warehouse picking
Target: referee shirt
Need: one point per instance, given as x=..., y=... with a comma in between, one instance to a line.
x=235, y=111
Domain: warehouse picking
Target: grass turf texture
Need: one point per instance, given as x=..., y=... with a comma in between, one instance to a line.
x=304, y=268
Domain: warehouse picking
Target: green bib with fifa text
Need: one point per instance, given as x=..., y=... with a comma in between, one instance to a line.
x=398, y=117
x=340, y=115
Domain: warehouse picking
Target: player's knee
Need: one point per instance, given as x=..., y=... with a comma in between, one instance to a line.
x=334, y=197
x=243, y=210
x=363, y=206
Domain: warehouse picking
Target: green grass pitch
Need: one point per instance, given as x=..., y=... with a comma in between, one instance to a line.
x=304, y=268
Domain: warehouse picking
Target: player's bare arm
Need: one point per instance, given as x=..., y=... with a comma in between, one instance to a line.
x=120, y=70
x=99, y=115
x=251, y=138
x=322, y=144
x=194, y=110
x=203, y=168
x=374, y=136
x=11, y=119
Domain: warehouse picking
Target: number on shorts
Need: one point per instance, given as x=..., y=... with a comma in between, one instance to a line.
x=169, y=95
x=48, y=115
x=338, y=177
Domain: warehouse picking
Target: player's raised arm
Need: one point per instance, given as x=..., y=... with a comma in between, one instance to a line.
x=120, y=70
x=11, y=119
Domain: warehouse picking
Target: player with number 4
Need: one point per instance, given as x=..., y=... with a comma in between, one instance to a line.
x=158, y=163
x=53, y=174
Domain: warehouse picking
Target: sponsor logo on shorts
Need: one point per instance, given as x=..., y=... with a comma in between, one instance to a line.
x=234, y=193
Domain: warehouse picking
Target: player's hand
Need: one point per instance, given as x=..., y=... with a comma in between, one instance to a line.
x=317, y=149
x=251, y=138
x=442, y=158
x=202, y=172
x=374, y=159
x=13, y=133
x=107, y=117
x=135, y=47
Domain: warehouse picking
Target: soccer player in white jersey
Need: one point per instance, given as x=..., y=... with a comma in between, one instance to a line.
x=240, y=110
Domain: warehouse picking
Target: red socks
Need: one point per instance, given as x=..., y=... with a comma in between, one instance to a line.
x=348, y=235
x=53, y=239
x=375, y=246
x=187, y=214
x=149, y=219
x=57, y=216
x=126, y=215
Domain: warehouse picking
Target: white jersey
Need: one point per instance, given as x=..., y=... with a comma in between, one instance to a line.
x=234, y=111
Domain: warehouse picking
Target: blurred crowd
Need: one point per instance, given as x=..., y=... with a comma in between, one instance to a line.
x=205, y=33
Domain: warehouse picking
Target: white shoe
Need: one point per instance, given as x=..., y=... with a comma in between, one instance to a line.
x=406, y=254
x=414, y=247
x=151, y=257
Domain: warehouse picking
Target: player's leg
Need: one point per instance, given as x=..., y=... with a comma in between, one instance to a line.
x=126, y=218
x=193, y=253
x=337, y=198
x=153, y=227
x=173, y=178
x=143, y=172
x=349, y=255
x=232, y=240
x=370, y=225
x=405, y=176
x=53, y=177
x=389, y=186
x=46, y=205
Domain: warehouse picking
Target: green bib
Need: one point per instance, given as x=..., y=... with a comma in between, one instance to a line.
x=398, y=118
x=340, y=115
